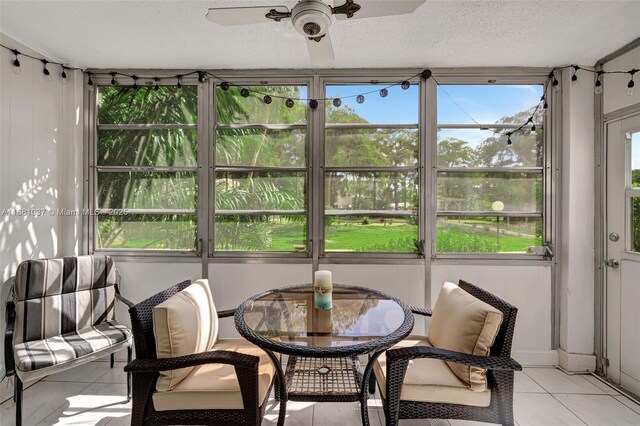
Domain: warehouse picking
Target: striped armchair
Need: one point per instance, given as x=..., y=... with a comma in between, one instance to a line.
x=62, y=315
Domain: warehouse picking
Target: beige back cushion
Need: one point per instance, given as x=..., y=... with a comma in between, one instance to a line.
x=184, y=324
x=463, y=323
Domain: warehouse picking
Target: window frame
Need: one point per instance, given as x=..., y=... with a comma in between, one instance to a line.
x=316, y=81
x=630, y=193
x=213, y=84
x=90, y=225
x=546, y=170
x=374, y=79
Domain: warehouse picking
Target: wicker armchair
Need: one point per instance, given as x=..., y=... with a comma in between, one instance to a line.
x=146, y=370
x=499, y=367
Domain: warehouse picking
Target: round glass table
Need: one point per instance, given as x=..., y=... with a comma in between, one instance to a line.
x=323, y=345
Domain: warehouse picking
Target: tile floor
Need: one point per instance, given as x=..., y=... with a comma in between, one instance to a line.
x=94, y=395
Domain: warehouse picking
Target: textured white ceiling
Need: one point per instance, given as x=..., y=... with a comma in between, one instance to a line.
x=454, y=33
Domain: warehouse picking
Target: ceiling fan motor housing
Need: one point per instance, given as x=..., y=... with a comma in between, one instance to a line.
x=311, y=18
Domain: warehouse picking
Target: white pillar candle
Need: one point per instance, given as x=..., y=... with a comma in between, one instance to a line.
x=322, y=279
x=323, y=287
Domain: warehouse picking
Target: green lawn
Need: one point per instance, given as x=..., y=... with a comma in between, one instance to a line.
x=347, y=236
x=350, y=236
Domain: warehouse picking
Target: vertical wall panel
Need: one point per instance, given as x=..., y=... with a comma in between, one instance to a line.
x=32, y=161
x=526, y=287
x=232, y=283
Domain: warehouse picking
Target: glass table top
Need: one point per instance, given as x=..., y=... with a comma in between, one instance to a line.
x=359, y=315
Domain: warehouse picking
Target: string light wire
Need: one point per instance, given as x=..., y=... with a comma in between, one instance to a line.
x=313, y=102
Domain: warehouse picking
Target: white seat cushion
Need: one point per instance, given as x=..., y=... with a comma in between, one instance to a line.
x=430, y=380
x=464, y=323
x=215, y=386
x=184, y=324
x=69, y=347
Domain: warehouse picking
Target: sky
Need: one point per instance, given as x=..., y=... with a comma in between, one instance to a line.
x=486, y=104
x=635, y=151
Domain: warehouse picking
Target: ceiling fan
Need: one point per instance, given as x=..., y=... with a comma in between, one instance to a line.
x=312, y=18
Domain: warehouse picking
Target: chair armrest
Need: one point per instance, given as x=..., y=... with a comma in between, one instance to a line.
x=421, y=311
x=9, y=362
x=226, y=313
x=124, y=300
x=237, y=359
x=416, y=352
x=118, y=295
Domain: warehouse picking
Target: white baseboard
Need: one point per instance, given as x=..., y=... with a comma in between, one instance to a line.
x=576, y=362
x=533, y=358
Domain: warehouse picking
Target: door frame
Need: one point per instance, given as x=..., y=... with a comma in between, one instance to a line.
x=601, y=121
x=601, y=144
x=612, y=358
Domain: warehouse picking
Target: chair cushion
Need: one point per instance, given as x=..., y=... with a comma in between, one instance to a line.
x=464, y=323
x=184, y=324
x=215, y=386
x=59, y=296
x=430, y=380
x=58, y=350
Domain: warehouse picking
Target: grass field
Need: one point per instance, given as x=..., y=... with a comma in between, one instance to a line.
x=398, y=237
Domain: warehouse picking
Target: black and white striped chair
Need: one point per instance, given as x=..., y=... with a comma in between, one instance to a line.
x=62, y=315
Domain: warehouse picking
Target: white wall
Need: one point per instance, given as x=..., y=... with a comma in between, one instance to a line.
x=529, y=288
x=40, y=159
x=405, y=282
x=40, y=162
x=577, y=214
x=615, y=85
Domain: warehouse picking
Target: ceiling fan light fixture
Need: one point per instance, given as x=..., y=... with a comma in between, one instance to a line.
x=311, y=18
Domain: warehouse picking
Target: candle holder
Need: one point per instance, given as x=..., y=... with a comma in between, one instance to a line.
x=322, y=290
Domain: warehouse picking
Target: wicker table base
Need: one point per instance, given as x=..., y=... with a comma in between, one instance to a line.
x=323, y=379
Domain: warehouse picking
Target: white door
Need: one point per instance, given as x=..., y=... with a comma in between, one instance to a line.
x=622, y=275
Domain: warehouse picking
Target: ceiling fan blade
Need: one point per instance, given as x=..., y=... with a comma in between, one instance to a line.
x=320, y=52
x=374, y=8
x=243, y=15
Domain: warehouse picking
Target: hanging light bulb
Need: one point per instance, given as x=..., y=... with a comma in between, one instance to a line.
x=631, y=84
x=360, y=99
x=289, y=103
x=45, y=71
x=267, y=99
x=16, y=61
x=533, y=128
x=63, y=74
x=224, y=86
x=135, y=82
x=574, y=77
x=384, y=93
x=90, y=81
x=244, y=92
x=554, y=81
x=337, y=102
x=543, y=99
x=313, y=104
x=179, y=83
x=113, y=78
x=405, y=85
x=202, y=77
x=509, y=142
x=156, y=86
x=598, y=86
